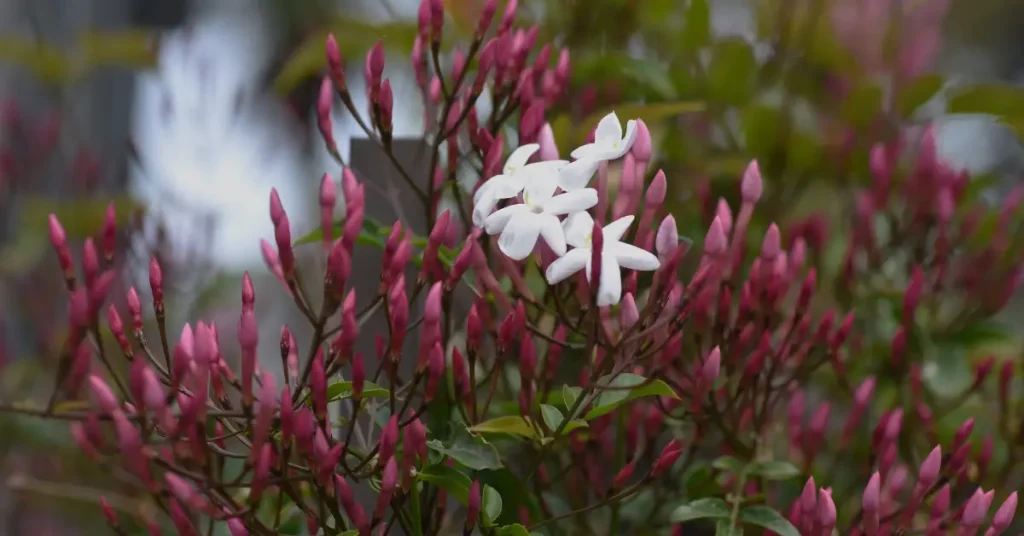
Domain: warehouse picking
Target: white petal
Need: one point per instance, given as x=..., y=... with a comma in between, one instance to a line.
x=608, y=130
x=627, y=142
x=485, y=189
x=583, y=151
x=632, y=257
x=573, y=201
x=546, y=165
x=482, y=208
x=496, y=223
x=613, y=231
x=507, y=187
x=519, y=237
x=552, y=233
x=566, y=265
x=519, y=158
x=609, y=289
x=578, y=174
x=578, y=226
x=540, y=183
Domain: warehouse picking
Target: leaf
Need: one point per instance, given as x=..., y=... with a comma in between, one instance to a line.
x=994, y=99
x=732, y=72
x=125, y=48
x=918, y=92
x=552, y=416
x=353, y=532
x=491, y=501
x=698, y=25
x=510, y=424
x=451, y=480
x=768, y=518
x=863, y=104
x=470, y=450
x=761, y=128
x=370, y=235
x=775, y=470
x=712, y=507
x=341, y=390
x=620, y=392
x=728, y=463
x=724, y=528
x=512, y=530
x=982, y=332
x=354, y=39
x=650, y=113
x=569, y=395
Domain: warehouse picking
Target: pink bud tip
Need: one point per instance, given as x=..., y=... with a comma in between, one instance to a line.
x=375, y=63
x=656, y=191
x=156, y=280
x=546, y=139
x=276, y=208
x=667, y=458
x=642, y=149
x=714, y=241
x=711, y=366
x=248, y=291
x=58, y=237
x=929, y=473
x=1004, y=515
x=975, y=510
x=772, y=244
x=751, y=186
x=473, y=505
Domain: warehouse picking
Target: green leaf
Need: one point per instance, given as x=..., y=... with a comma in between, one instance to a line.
x=342, y=389
x=981, y=332
x=728, y=463
x=80, y=217
x=698, y=25
x=994, y=99
x=354, y=39
x=470, y=450
x=512, y=530
x=917, y=93
x=491, y=501
x=775, y=470
x=372, y=234
x=552, y=416
x=451, y=480
x=732, y=73
x=863, y=104
x=509, y=424
x=768, y=518
x=353, y=532
x=621, y=392
x=761, y=129
x=712, y=507
x=569, y=395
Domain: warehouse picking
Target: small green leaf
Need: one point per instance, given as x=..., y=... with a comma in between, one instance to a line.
x=512, y=530
x=491, y=501
x=552, y=416
x=353, y=532
x=698, y=25
x=470, y=450
x=370, y=235
x=775, y=470
x=918, y=92
x=732, y=72
x=453, y=482
x=624, y=388
x=569, y=395
x=509, y=424
x=994, y=99
x=768, y=518
x=342, y=389
x=728, y=463
x=712, y=507
x=863, y=104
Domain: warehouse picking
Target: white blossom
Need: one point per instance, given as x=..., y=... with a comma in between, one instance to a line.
x=516, y=176
x=609, y=144
x=521, y=224
x=615, y=255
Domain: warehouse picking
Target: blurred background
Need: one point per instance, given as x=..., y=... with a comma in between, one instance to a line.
x=187, y=113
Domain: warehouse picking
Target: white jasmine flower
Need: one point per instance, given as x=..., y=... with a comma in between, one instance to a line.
x=615, y=254
x=609, y=144
x=520, y=225
x=515, y=176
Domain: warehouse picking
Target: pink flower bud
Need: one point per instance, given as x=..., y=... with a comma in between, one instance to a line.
x=265, y=415
x=462, y=261
x=260, y=476
x=130, y=444
x=772, y=244
x=596, y=257
x=667, y=238
x=667, y=458
x=826, y=512
x=156, y=282
x=104, y=396
x=387, y=105
x=975, y=510
x=432, y=269
x=375, y=65
x=709, y=372
x=531, y=121
x=358, y=376
x=656, y=191
x=1004, y=515
x=276, y=208
x=546, y=139
x=236, y=527
x=323, y=114
x=328, y=197
x=508, y=18
x=870, y=502
x=90, y=261
x=963, y=432
x=436, y=19
x=473, y=505
x=435, y=371
x=751, y=186
x=287, y=416
x=283, y=237
x=642, y=149
x=59, y=240
x=388, y=483
x=928, y=475
x=318, y=386
x=388, y=440
x=715, y=241
x=181, y=520
x=628, y=313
